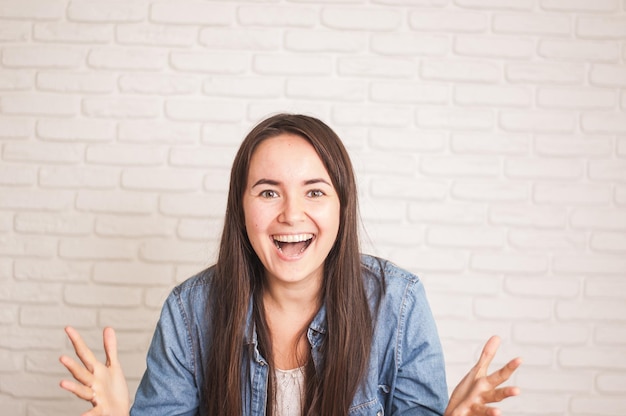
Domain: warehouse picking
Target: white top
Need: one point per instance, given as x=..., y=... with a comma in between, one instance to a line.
x=289, y=392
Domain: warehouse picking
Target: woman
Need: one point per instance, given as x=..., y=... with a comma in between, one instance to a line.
x=292, y=319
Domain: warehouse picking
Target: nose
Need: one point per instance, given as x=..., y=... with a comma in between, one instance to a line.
x=292, y=211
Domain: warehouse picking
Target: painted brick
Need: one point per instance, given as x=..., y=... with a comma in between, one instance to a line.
x=29, y=293
x=188, y=109
x=460, y=71
x=548, y=240
x=158, y=132
x=608, y=75
x=519, y=215
x=400, y=188
x=537, y=168
x=448, y=213
x=25, y=246
x=537, y=121
x=492, y=95
x=125, y=58
x=372, y=115
x=455, y=118
x=277, y=16
x=118, y=202
x=551, y=333
x=199, y=229
x=510, y=263
x=446, y=21
x=609, y=242
x=545, y=73
x=132, y=273
x=191, y=205
x=598, y=218
x=156, y=35
x=605, y=287
x=291, y=65
x=256, y=87
x=15, y=128
x=16, y=80
x=6, y=225
x=554, y=381
x=485, y=143
x=72, y=32
x=28, y=338
x=404, y=139
x=409, y=92
x=610, y=334
x=78, y=177
x=585, y=98
x=604, y=122
x=579, y=50
x=216, y=180
x=579, y=5
x=164, y=251
x=106, y=11
x=52, y=270
x=334, y=90
x=589, y=264
x=513, y=309
x=573, y=145
x=33, y=9
x=216, y=63
x=361, y=19
x=76, y=130
x=119, y=318
x=161, y=179
x=15, y=31
x=115, y=296
x=501, y=47
x=611, y=383
x=122, y=107
x=214, y=157
x=50, y=56
x=462, y=166
x=588, y=357
x=43, y=152
x=601, y=27
x=50, y=316
x=376, y=67
x=121, y=154
x=410, y=44
x=76, y=82
x=495, y=191
x=613, y=406
x=192, y=12
x=428, y=260
x=607, y=170
x=572, y=193
x=39, y=104
x=532, y=24
x=53, y=224
x=469, y=237
x=242, y=39
x=496, y=4
x=396, y=234
x=15, y=175
x=96, y=249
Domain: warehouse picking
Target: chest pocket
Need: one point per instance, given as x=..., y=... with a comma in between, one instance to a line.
x=370, y=408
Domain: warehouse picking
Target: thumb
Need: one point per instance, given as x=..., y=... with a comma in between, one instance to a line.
x=110, y=346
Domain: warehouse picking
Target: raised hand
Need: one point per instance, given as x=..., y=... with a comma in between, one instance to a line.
x=477, y=388
x=101, y=384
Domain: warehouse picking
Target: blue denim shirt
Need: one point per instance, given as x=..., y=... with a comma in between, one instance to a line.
x=406, y=374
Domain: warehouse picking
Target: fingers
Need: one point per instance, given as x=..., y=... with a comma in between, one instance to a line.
x=79, y=372
x=486, y=356
x=79, y=390
x=82, y=351
x=504, y=373
x=110, y=346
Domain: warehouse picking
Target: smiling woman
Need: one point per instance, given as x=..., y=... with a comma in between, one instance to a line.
x=292, y=319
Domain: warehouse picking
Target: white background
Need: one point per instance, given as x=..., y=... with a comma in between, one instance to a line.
x=489, y=138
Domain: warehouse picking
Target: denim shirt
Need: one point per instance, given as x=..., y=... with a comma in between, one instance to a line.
x=406, y=373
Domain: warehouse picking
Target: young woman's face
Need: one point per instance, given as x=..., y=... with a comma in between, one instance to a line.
x=291, y=210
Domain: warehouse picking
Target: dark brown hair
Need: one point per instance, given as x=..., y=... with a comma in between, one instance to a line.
x=239, y=275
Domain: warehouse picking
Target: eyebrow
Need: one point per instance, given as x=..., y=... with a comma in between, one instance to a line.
x=273, y=182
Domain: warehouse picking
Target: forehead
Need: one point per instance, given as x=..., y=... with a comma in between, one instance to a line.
x=285, y=152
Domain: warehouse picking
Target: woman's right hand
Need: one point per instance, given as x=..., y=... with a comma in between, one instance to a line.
x=101, y=384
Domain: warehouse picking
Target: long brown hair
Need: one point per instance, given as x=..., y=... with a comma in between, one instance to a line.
x=239, y=274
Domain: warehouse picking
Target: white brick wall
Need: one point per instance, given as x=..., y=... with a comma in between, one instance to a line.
x=489, y=138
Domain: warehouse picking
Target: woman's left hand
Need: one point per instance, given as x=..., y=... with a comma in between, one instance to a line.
x=102, y=384
x=477, y=388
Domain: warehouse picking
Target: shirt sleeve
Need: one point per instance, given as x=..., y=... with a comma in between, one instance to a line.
x=420, y=385
x=168, y=387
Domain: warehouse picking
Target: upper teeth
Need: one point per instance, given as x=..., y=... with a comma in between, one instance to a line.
x=293, y=238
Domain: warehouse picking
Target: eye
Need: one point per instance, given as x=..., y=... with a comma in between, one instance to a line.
x=315, y=193
x=268, y=194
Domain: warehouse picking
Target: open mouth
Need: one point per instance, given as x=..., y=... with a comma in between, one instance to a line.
x=293, y=244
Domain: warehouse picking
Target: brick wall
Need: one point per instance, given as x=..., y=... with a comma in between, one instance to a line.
x=489, y=138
